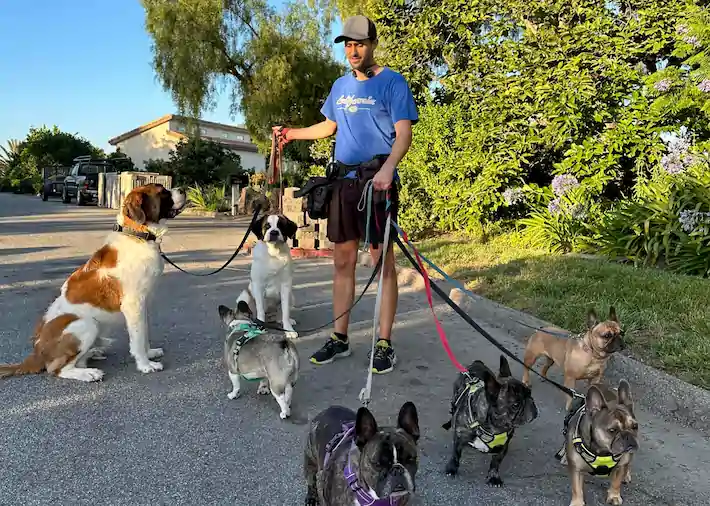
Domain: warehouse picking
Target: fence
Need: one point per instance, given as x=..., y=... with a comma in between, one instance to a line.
x=113, y=187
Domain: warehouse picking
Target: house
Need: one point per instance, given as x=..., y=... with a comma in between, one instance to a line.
x=154, y=140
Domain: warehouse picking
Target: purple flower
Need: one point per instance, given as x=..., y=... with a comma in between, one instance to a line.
x=563, y=183
x=672, y=163
x=682, y=29
x=513, y=196
x=554, y=207
x=690, y=220
x=704, y=86
x=663, y=85
x=692, y=40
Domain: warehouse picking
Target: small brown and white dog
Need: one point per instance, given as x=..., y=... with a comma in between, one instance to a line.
x=117, y=280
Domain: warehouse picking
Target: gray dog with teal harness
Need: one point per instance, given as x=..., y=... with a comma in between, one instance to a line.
x=252, y=353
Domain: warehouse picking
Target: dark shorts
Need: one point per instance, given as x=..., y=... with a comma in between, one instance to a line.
x=346, y=223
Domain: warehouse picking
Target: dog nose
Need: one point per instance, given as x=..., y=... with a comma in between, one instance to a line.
x=274, y=233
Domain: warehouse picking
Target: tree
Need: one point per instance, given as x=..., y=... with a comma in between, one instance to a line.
x=121, y=162
x=516, y=92
x=277, y=66
x=45, y=147
x=197, y=161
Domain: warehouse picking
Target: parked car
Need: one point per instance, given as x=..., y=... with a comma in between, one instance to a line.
x=53, y=178
x=82, y=182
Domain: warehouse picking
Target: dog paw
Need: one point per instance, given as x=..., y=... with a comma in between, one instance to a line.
x=627, y=477
x=263, y=389
x=233, y=394
x=451, y=469
x=291, y=334
x=96, y=354
x=495, y=481
x=284, y=415
x=150, y=366
x=155, y=353
x=614, y=499
x=88, y=374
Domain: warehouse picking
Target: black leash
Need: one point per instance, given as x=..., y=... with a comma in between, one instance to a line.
x=476, y=326
x=241, y=245
x=272, y=326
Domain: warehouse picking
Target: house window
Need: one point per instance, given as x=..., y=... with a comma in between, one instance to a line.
x=240, y=137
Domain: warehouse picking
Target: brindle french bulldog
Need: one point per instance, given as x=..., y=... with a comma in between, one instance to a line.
x=485, y=411
x=583, y=358
x=349, y=459
x=601, y=437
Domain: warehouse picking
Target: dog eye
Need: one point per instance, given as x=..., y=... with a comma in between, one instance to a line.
x=612, y=430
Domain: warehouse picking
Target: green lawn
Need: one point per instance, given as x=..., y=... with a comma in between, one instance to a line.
x=666, y=316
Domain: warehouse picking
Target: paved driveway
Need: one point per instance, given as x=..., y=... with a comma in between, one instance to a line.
x=173, y=437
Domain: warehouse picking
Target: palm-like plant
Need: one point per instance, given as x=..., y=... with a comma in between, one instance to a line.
x=8, y=153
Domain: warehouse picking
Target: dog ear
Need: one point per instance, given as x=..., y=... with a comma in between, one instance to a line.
x=291, y=228
x=492, y=385
x=408, y=420
x=592, y=319
x=226, y=314
x=243, y=308
x=624, y=393
x=133, y=207
x=365, y=427
x=258, y=228
x=504, y=368
x=612, y=314
x=595, y=401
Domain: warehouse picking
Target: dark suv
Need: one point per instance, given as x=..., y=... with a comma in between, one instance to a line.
x=82, y=182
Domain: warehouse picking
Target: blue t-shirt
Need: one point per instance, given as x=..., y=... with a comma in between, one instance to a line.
x=365, y=112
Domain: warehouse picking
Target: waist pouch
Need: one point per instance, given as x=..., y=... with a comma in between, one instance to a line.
x=319, y=190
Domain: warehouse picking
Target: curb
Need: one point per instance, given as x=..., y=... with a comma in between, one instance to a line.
x=656, y=391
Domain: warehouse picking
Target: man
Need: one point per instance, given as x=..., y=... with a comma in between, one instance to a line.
x=371, y=110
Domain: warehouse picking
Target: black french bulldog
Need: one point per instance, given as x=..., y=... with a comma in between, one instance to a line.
x=350, y=460
x=485, y=411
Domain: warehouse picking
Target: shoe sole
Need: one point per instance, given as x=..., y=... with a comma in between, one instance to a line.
x=342, y=354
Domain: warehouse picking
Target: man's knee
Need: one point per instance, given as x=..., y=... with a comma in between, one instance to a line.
x=345, y=258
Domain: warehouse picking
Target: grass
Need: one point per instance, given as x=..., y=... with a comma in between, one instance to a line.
x=666, y=316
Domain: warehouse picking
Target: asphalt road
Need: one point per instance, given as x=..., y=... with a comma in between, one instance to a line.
x=173, y=437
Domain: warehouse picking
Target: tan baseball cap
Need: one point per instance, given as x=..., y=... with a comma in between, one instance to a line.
x=357, y=28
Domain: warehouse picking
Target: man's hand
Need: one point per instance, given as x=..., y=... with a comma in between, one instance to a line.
x=383, y=179
x=281, y=134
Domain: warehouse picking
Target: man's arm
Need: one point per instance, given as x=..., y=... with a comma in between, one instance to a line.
x=318, y=131
x=402, y=142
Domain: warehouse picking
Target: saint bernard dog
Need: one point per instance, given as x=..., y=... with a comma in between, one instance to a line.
x=271, y=279
x=117, y=280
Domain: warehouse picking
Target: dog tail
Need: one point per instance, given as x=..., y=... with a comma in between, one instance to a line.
x=31, y=365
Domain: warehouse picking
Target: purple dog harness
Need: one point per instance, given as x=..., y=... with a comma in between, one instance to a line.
x=364, y=497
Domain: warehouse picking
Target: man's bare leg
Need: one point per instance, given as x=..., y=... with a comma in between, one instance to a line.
x=344, y=262
x=390, y=292
x=385, y=358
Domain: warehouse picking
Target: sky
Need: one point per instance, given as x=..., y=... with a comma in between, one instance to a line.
x=83, y=65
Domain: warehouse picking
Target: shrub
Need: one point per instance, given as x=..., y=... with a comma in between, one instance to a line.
x=209, y=198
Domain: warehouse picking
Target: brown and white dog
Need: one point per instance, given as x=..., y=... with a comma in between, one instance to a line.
x=117, y=280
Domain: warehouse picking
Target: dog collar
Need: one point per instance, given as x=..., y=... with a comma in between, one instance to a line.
x=599, y=465
x=146, y=236
x=485, y=441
